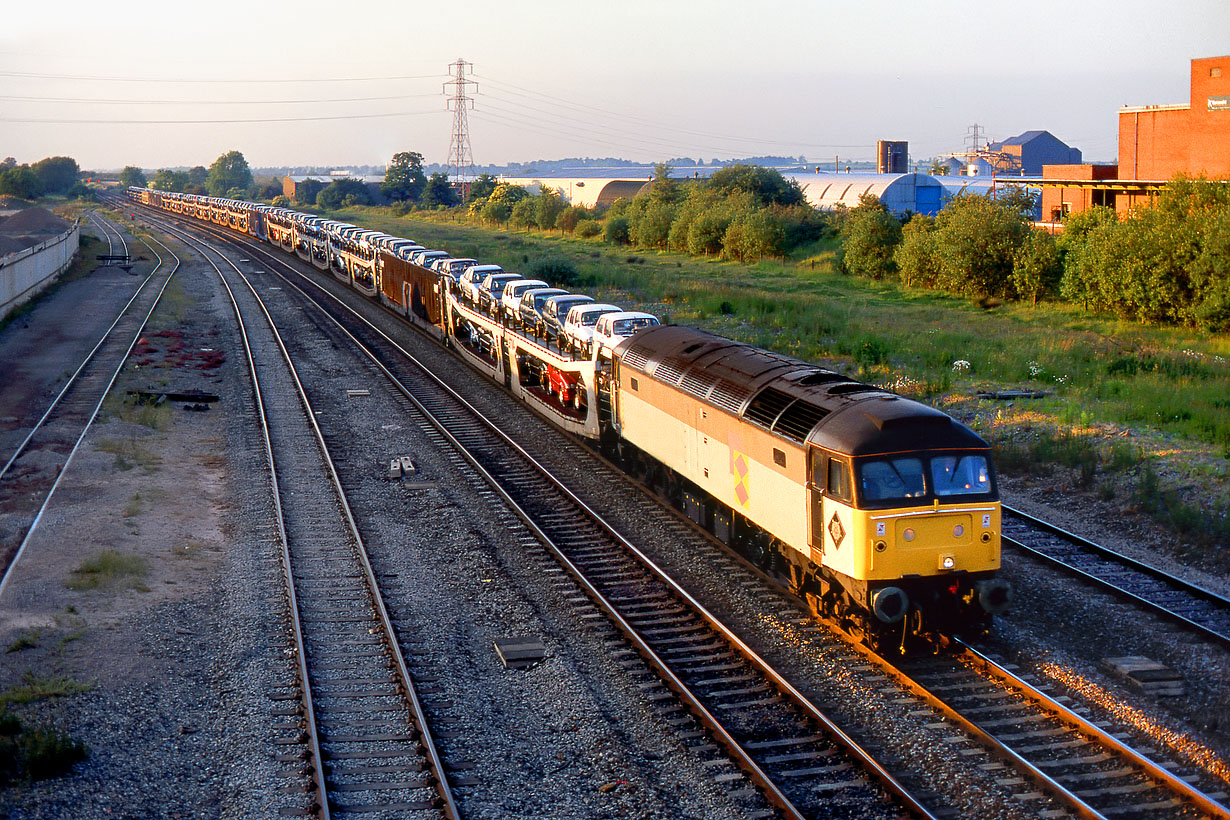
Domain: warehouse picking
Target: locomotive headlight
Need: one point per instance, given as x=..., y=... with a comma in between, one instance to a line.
x=908, y=535
x=948, y=562
x=881, y=546
x=986, y=538
x=958, y=531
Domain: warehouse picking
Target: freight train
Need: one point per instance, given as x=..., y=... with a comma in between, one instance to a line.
x=878, y=510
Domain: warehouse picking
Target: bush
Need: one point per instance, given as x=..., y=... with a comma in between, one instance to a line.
x=1036, y=269
x=975, y=242
x=617, y=231
x=495, y=211
x=559, y=272
x=915, y=256
x=871, y=236
x=588, y=228
x=569, y=218
x=651, y=229
x=707, y=231
x=759, y=235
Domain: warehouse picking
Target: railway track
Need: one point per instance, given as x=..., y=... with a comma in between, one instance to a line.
x=1198, y=609
x=1047, y=774
x=726, y=696
x=357, y=738
x=68, y=417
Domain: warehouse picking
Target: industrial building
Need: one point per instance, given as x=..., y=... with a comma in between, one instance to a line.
x=1155, y=143
x=1026, y=153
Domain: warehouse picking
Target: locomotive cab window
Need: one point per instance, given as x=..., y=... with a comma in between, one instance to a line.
x=960, y=475
x=891, y=478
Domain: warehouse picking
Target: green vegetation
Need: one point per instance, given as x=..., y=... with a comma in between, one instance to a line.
x=110, y=570
x=132, y=177
x=36, y=752
x=229, y=176
x=35, y=687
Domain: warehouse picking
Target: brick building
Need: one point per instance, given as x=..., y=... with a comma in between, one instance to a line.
x=1155, y=143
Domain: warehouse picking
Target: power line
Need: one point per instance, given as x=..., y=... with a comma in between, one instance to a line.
x=658, y=125
x=212, y=102
x=252, y=80
x=66, y=121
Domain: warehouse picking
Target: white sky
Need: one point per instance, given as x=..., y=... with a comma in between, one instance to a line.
x=636, y=79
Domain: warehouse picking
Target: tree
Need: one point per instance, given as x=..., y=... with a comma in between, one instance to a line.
x=7, y=163
x=523, y=214
x=20, y=182
x=438, y=191
x=870, y=238
x=227, y=172
x=197, y=176
x=976, y=239
x=548, y=206
x=616, y=230
x=569, y=218
x=270, y=189
x=664, y=188
x=915, y=256
x=342, y=193
x=508, y=194
x=132, y=177
x=1036, y=268
x=651, y=227
x=494, y=210
x=482, y=187
x=307, y=191
x=404, y=180
x=168, y=180
x=766, y=184
x=754, y=235
x=57, y=174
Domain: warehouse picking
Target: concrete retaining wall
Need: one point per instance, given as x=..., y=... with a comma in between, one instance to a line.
x=24, y=273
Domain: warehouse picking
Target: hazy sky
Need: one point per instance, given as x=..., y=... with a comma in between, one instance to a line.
x=355, y=82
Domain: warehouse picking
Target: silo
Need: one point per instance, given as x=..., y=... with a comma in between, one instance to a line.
x=892, y=156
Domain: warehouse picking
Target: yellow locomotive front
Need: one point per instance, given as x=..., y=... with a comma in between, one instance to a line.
x=905, y=515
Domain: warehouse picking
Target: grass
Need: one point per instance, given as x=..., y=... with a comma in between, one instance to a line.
x=110, y=570
x=34, y=687
x=35, y=752
x=27, y=641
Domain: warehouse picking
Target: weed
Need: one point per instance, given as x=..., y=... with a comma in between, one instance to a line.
x=26, y=641
x=110, y=569
x=134, y=506
x=35, y=753
x=34, y=687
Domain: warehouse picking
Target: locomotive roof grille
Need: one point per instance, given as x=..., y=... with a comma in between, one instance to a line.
x=669, y=371
x=729, y=396
x=634, y=356
x=698, y=383
x=767, y=406
x=799, y=419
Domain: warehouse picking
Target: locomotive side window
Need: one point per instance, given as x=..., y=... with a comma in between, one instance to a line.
x=839, y=480
x=960, y=475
